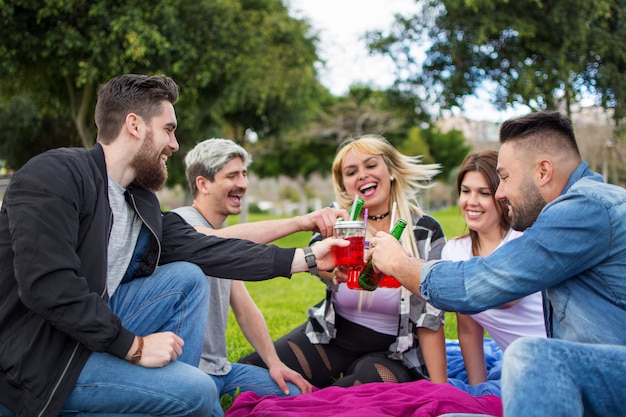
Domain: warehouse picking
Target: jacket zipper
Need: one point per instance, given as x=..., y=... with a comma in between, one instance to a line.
x=58, y=382
x=67, y=365
x=132, y=197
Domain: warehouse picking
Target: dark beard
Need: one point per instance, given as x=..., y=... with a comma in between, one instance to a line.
x=533, y=202
x=147, y=165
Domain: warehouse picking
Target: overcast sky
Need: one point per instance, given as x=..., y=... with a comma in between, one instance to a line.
x=342, y=24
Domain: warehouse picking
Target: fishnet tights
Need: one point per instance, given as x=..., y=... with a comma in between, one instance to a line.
x=341, y=364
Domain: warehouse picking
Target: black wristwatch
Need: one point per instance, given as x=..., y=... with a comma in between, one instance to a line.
x=311, y=262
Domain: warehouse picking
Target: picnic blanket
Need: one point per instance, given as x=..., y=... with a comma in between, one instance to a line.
x=412, y=399
x=457, y=375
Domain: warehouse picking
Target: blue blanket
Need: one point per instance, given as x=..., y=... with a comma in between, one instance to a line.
x=457, y=375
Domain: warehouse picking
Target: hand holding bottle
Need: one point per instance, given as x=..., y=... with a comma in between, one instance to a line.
x=389, y=257
x=370, y=277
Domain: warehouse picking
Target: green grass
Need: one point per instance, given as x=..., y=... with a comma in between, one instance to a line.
x=284, y=302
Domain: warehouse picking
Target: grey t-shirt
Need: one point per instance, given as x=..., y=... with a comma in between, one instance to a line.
x=214, y=355
x=125, y=229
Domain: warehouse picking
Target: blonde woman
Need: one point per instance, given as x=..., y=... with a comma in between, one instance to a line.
x=388, y=335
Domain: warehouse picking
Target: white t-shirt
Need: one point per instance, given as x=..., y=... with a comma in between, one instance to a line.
x=504, y=325
x=377, y=310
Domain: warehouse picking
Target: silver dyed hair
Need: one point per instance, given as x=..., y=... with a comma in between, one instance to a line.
x=208, y=157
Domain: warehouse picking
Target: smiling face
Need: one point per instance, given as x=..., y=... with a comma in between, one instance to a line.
x=227, y=190
x=368, y=177
x=159, y=143
x=517, y=188
x=478, y=204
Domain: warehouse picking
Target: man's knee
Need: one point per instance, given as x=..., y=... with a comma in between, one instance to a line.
x=525, y=355
x=200, y=392
x=190, y=278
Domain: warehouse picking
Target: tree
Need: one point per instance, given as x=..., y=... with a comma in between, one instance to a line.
x=228, y=56
x=415, y=144
x=276, y=79
x=304, y=150
x=26, y=131
x=448, y=149
x=535, y=52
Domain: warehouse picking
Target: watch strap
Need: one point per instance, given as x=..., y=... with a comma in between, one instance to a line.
x=311, y=262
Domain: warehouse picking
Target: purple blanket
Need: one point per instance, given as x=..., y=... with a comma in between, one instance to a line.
x=411, y=399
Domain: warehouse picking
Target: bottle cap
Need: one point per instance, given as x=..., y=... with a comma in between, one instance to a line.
x=350, y=224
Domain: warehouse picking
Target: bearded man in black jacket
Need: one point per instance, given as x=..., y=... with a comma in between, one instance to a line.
x=104, y=297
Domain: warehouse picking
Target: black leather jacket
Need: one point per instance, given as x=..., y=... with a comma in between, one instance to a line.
x=54, y=229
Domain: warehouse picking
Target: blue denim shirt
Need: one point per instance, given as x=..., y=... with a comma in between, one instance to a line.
x=576, y=251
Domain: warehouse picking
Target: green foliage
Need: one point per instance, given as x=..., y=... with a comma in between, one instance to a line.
x=299, y=152
x=295, y=156
x=27, y=130
x=240, y=64
x=448, y=149
x=254, y=208
x=415, y=144
x=533, y=52
x=227, y=400
x=452, y=221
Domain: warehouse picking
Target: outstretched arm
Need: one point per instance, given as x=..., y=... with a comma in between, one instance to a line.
x=323, y=255
x=322, y=221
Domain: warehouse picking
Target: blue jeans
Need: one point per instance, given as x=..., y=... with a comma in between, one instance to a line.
x=250, y=378
x=552, y=377
x=175, y=298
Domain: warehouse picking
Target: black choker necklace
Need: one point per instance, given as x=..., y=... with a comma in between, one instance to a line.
x=379, y=217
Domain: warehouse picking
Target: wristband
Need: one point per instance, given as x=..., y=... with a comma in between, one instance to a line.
x=311, y=262
x=136, y=357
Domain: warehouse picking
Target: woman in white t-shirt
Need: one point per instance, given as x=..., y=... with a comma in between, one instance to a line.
x=489, y=227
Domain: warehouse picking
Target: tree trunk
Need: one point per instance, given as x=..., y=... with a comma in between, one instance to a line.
x=303, y=209
x=79, y=108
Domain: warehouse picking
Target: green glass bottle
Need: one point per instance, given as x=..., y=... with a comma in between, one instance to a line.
x=368, y=278
x=355, y=210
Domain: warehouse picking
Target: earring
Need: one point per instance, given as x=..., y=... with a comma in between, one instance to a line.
x=392, y=178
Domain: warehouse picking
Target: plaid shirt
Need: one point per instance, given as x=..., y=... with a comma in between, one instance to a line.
x=414, y=312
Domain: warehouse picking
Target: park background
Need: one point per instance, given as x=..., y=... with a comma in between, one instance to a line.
x=263, y=73
x=256, y=71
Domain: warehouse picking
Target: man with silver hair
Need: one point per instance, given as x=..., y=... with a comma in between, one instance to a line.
x=217, y=175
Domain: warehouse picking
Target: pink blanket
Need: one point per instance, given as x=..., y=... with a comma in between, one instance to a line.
x=414, y=399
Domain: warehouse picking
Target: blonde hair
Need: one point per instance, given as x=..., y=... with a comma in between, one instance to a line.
x=410, y=176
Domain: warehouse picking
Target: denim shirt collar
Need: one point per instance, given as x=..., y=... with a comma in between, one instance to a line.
x=581, y=171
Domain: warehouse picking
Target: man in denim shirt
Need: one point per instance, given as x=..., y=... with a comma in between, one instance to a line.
x=573, y=247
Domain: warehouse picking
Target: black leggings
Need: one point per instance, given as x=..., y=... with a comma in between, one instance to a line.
x=356, y=356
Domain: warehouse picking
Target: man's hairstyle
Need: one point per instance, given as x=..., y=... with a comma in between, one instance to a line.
x=541, y=131
x=131, y=93
x=208, y=157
